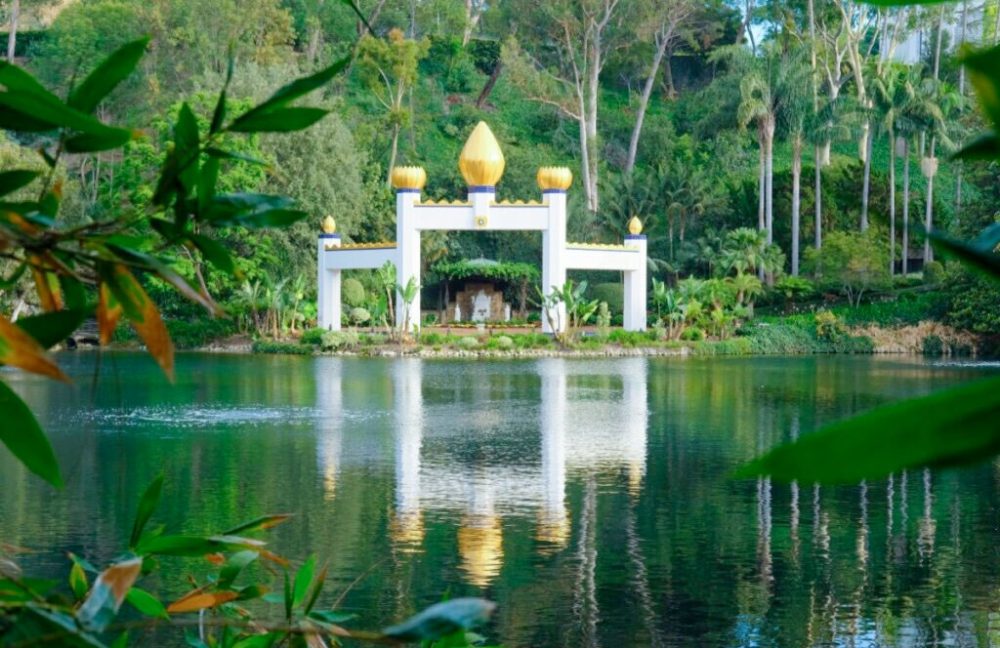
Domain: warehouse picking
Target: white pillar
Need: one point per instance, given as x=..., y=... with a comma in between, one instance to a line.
x=554, y=251
x=327, y=285
x=635, y=287
x=408, y=253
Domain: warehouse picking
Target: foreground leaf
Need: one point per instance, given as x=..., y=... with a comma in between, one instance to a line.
x=107, y=75
x=18, y=349
x=107, y=594
x=147, y=504
x=24, y=438
x=49, y=329
x=947, y=428
x=142, y=312
x=146, y=603
x=198, y=600
x=109, y=311
x=443, y=619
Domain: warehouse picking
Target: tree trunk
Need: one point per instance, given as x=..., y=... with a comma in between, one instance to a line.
x=761, y=184
x=818, y=196
x=668, y=75
x=15, y=16
x=796, y=199
x=769, y=199
x=392, y=154
x=591, y=120
x=640, y=115
x=906, y=205
x=488, y=88
x=892, y=202
x=929, y=210
x=585, y=164
x=866, y=184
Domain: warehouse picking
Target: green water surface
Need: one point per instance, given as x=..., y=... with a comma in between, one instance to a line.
x=589, y=498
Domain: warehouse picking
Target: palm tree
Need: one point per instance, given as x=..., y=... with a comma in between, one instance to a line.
x=916, y=114
x=891, y=94
x=797, y=114
x=944, y=101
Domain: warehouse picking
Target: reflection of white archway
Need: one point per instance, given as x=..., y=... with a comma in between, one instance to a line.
x=482, y=165
x=579, y=434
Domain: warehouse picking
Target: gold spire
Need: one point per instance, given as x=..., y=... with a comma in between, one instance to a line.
x=635, y=226
x=481, y=161
x=409, y=177
x=329, y=226
x=480, y=546
x=554, y=178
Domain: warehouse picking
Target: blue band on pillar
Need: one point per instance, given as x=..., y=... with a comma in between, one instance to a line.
x=329, y=236
x=553, y=191
x=482, y=189
x=635, y=237
x=407, y=190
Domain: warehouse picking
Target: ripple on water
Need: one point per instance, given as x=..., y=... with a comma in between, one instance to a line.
x=198, y=417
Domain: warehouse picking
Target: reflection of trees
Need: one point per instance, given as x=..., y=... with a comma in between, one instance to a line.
x=685, y=558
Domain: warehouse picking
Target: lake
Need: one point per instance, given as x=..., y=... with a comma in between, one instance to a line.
x=589, y=498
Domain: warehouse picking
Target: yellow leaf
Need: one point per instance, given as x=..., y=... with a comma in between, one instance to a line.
x=18, y=349
x=145, y=318
x=198, y=600
x=108, y=313
x=48, y=296
x=120, y=578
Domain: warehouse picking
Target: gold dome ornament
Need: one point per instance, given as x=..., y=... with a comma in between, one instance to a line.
x=559, y=178
x=409, y=177
x=635, y=226
x=329, y=226
x=481, y=161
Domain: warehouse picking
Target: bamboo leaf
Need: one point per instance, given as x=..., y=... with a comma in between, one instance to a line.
x=146, y=603
x=49, y=329
x=147, y=505
x=261, y=523
x=442, y=619
x=143, y=314
x=11, y=181
x=286, y=94
x=19, y=349
x=283, y=120
x=303, y=577
x=24, y=438
x=106, y=596
x=107, y=75
x=78, y=581
x=200, y=601
x=109, y=311
x=947, y=428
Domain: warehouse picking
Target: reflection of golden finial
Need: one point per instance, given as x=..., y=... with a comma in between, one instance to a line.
x=635, y=226
x=480, y=544
x=407, y=530
x=481, y=161
x=554, y=178
x=409, y=177
x=329, y=226
x=553, y=531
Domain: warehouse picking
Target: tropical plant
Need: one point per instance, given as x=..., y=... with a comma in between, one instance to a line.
x=851, y=262
x=222, y=608
x=91, y=268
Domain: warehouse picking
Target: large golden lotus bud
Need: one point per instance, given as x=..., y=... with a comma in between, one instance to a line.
x=329, y=226
x=409, y=177
x=481, y=161
x=554, y=178
x=635, y=226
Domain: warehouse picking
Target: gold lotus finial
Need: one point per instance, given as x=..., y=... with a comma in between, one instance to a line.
x=635, y=226
x=409, y=177
x=329, y=226
x=554, y=178
x=481, y=161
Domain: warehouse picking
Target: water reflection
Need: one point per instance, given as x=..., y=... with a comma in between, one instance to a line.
x=590, y=499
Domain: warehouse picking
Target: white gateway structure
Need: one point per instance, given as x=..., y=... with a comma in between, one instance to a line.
x=482, y=166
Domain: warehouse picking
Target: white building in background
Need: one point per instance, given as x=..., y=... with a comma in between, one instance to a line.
x=482, y=165
x=966, y=23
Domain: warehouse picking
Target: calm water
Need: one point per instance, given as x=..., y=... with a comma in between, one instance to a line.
x=589, y=498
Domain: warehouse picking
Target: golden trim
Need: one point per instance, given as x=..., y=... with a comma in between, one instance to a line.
x=481, y=162
x=600, y=246
x=517, y=203
x=444, y=202
x=383, y=245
